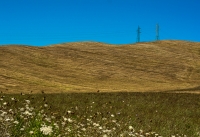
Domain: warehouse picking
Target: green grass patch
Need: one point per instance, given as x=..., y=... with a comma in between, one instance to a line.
x=101, y=114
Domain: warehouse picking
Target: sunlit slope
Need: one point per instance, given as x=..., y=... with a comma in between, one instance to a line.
x=92, y=66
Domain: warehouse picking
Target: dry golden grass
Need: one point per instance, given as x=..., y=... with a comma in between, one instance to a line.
x=172, y=66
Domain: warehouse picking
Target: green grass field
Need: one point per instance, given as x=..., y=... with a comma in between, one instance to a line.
x=101, y=114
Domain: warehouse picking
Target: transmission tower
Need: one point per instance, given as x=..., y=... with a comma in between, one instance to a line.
x=157, y=32
x=138, y=34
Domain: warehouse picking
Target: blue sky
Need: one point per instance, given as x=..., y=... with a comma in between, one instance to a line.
x=45, y=22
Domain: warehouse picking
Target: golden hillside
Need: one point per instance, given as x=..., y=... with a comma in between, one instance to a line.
x=91, y=66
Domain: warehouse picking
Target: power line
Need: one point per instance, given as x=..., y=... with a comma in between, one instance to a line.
x=75, y=35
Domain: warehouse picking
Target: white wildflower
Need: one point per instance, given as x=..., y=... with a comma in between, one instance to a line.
x=22, y=129
x=48, y=119
x=16, y=122
x=64, y=118
x=3, y=113
x=21, y=109
x=104, y=119
x=27, y=113
x=10, y=110
x=5, y=103
x=7, y=119
x=141, y=131
x=42, y=111
x=68, y=129
x=31, y=108
x=27, y=107
x=107, y=131
x=114, y=121
x=131, y=128
x=56, y=125
x=100, y=128
x=147, y=134
x=88, y=119
x=69, y=120
x=69, y=112
x=96, y=124
x=46, y=130
x=83, y=129
x=27, y=101
x=63, y=123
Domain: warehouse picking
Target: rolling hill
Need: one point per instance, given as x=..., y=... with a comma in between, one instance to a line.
x=167, y=66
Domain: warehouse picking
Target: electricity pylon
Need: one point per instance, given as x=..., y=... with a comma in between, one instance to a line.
x=138, y=34
x=157, y=32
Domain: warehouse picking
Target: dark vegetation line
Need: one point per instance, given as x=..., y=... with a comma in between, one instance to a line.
x=186, y=89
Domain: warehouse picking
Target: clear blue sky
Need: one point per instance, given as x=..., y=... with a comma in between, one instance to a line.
x=44, y=22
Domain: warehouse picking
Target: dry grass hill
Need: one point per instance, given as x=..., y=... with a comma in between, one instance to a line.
x=167, y=66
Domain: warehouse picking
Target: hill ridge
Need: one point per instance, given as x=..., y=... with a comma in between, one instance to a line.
x=91, y=66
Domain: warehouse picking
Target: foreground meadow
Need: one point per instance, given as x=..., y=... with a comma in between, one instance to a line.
x=100, y=115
